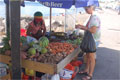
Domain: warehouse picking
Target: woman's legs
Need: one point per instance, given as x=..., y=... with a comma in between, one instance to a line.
x=90, y=66
x=86, y=70
x=87, y=63
x=92, y=63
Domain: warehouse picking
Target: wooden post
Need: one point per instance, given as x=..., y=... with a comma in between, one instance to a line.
x=15, y=38
x=50, y=18
x=7, y=19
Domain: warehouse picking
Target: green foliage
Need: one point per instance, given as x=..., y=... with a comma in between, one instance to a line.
x=23, y=39
x=6, y=45
x=76, y=41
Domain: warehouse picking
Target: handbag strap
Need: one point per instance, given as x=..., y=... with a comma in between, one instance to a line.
x=88, y=22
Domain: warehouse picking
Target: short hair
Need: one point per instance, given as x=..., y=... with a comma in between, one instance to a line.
x=94, y=7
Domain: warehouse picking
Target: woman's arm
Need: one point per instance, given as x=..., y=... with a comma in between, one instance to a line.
x=92, y=29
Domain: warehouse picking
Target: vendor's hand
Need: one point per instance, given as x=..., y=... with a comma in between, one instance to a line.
x=38, y=33
x=42, y=27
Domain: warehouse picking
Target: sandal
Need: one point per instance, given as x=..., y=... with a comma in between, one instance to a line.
x=83, y=72
x=88, y=77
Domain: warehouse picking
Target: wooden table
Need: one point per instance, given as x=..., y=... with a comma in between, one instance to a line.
x=43, y=67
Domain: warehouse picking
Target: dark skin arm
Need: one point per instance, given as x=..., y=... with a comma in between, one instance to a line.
x=43, y=27
x=29, y=30
x=42, y=31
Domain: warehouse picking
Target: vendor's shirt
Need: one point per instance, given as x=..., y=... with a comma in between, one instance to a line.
x=32, y=28
x=95, y=21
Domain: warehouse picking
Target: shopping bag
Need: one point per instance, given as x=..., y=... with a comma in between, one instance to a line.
x=31, y=39
x=88, y=43
x=3, y=69
x=67, y=72
x=55, y=77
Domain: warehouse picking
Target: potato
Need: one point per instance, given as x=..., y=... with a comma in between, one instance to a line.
x=8, y=52
x=23, y=55
x=24, y=48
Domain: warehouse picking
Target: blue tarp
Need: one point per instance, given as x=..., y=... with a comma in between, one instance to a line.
x=66, y=4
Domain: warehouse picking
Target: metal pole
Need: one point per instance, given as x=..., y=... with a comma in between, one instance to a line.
x=15, y=38
x=50, y=18
x=65, y=21
x=75, y=12
x=7, y=19
x=119, y=9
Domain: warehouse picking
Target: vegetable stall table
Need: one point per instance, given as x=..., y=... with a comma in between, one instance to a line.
x=43, y=67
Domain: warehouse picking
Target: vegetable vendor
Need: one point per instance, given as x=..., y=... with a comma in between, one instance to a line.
x=36, y=28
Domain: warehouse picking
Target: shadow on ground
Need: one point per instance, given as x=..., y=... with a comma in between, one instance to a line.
x=107, y=65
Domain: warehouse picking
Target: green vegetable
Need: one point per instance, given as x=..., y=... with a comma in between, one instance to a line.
x=43, y=42
x=43, y=50
x=32, y=51
x=2, y=50
x=76, y=41
x=31, y=44
x=23, y=40
x=37, y=47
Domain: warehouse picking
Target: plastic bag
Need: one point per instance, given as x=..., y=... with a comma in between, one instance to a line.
x=67, y=72
x=55, y=77
x=88, y=43
x=3, y=69
x=31, y=39
x=46, y=77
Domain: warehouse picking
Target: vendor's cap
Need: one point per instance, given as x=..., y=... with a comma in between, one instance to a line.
x=38, y=14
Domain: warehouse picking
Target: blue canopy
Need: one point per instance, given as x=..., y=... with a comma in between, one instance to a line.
x=57, y=3
x=68, y=3
x=84, y=3
x=63, y=3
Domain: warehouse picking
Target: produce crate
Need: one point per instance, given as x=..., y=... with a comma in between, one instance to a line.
x=43, y=67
